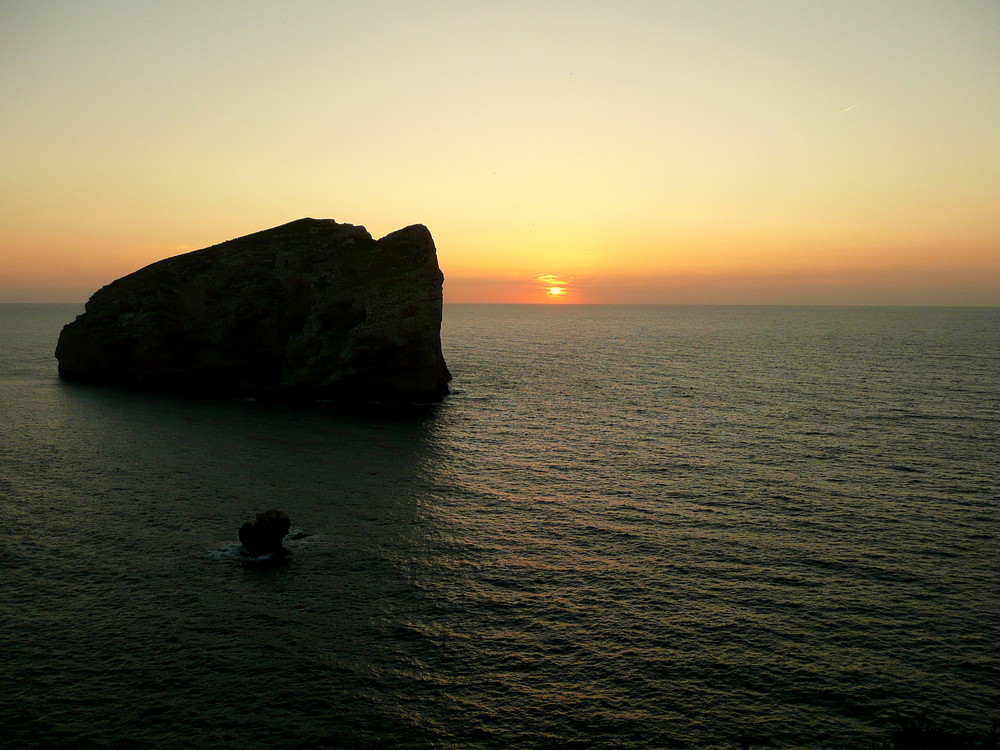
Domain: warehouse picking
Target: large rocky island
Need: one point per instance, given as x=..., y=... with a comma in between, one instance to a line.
x=307, y=310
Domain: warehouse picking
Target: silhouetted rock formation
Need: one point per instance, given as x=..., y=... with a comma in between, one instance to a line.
x=310, y=309
x=264, y=535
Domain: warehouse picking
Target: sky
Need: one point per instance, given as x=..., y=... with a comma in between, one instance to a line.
x=662, y=152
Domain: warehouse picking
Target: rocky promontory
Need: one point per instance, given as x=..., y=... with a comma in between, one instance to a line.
x=311, y=309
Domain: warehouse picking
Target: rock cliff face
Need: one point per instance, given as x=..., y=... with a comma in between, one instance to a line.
x=310, y=309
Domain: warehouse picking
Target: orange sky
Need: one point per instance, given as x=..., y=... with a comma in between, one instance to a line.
x=649, y=152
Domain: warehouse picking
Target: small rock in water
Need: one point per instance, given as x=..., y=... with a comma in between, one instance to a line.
x=264, y=535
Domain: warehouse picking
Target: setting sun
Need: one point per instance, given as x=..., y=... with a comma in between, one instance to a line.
x=555, y=291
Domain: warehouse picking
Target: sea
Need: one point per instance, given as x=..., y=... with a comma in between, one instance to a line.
x=627, y=527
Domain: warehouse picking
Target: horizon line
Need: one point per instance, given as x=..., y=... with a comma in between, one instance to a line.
x=631, y=304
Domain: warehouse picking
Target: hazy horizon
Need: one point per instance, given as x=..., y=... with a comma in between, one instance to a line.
x=592, y=304
x=619, y=153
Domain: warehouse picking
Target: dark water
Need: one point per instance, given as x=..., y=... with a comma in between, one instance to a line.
x=642, y=527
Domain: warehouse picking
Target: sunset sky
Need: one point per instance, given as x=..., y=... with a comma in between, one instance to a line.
x=703, y=151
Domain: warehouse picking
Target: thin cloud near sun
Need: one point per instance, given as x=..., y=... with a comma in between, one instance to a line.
x=551, y=285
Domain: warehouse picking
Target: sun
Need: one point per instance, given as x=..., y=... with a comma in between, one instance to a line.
x=555, y=291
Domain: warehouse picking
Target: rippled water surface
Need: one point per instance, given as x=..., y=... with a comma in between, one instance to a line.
x=628, y=527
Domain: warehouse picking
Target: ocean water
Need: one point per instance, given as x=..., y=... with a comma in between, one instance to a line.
x=628, y=527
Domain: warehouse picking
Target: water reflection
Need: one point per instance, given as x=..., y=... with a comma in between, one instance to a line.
x=147, y=488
